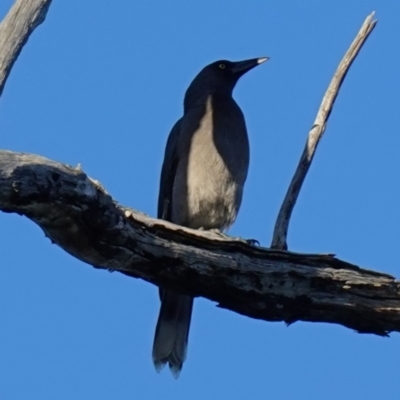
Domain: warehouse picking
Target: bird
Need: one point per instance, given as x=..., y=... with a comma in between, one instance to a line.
x=203, y=174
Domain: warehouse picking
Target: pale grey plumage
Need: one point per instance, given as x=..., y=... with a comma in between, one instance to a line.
x=205, y=167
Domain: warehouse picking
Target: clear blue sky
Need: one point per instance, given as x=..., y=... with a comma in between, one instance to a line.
x=101, y=84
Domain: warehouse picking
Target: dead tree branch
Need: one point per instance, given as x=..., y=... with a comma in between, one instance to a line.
x=279, y=240
x=78, y=215
x=22, y=19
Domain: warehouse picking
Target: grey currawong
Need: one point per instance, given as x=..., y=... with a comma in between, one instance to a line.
x=205, y=167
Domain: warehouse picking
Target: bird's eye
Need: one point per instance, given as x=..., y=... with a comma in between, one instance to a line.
x=221, y=66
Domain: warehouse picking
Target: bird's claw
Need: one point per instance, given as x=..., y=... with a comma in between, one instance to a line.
x=218, y=232
x=252, y=242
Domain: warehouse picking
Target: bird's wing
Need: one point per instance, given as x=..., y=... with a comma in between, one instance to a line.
x=168, y=173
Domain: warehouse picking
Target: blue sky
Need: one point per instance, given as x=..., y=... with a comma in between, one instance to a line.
x=101, y=84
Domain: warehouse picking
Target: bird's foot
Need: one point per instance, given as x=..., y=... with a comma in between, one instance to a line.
x=218, y=232
x=214, y=230
x=252, y=242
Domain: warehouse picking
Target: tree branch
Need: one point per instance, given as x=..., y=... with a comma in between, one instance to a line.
x=279, y=240
x=22, y=19
x=77, y=214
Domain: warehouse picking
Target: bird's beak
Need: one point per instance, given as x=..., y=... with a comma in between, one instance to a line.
x=241, y=67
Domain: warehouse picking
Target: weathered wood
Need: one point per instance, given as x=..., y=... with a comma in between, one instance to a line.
x=22, y=19
x=77, y=214
x=279, y=239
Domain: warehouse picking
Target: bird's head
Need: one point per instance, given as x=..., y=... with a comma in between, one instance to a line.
x=219, y=76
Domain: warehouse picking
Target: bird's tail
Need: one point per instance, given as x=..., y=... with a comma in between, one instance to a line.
x=172, y=331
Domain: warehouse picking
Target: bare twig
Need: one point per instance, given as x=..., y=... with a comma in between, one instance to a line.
x=79, y=216
x=22, y=19
x=279, y=240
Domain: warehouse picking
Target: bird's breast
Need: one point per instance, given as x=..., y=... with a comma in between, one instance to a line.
x=210, y=180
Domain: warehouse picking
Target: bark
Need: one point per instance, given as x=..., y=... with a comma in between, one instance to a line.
x=77, y=214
